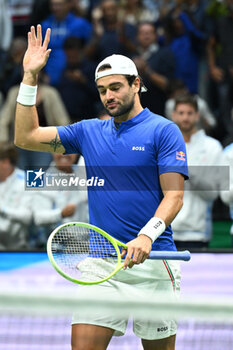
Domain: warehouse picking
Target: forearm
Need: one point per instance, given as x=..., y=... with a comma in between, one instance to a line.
x=28, y=134
x=164, y=215
x=170, y=206
x=26, y=118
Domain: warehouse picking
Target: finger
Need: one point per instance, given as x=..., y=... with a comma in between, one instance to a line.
x=137, y=257
x=46, y=39
x=48, y=53
x=128, y=257
x=29, y=38
x=131, y=264
x=33, y=35
x=145, y=256
x=123, y=252
x=39, y=35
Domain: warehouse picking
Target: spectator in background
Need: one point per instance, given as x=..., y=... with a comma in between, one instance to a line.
x=160, y=8
x=51, y=111
x=6, y=30
x=156, y=66
x=15, y=203
x=185, y=40
x=20, y=13
x=192, y=227
x=135, y=12
x=52, y=208
x=76, y=85
x=177, y=88
x=197, y=12
x=80, y=7
x=11, y=70
x=109, y=35
x=63, y=24
x=227, y=193
x=220, y=60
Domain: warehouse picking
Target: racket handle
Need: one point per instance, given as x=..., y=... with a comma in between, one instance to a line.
x=171, y=255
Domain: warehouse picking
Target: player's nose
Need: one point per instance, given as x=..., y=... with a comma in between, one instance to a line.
x=109, y=94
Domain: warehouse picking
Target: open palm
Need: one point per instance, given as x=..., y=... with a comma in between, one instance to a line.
x=37, y=53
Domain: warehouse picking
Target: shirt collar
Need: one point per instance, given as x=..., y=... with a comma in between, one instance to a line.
x=133, y=121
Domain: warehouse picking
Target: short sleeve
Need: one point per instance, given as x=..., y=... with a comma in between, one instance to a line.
x=71, y=137
x=172, y=155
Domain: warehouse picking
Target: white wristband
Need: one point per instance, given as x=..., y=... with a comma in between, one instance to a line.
x=153, y=229
x=27, y=95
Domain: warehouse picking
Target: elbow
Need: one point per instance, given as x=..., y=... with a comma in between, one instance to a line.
x=17, y=141
x=20, y=142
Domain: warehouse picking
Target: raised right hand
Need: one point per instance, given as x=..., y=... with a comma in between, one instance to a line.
x=37, y=53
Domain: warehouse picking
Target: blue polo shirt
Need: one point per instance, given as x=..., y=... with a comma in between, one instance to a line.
x=129, y=159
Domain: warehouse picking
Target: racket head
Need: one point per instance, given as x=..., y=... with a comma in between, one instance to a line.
x=78, y=249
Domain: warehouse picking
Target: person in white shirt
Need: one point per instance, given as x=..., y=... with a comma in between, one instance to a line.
x=193, y=225
x=54, y=207
x=207, y=120
x=15, y=202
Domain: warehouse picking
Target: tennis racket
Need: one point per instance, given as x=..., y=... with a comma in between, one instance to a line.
x=85, y=254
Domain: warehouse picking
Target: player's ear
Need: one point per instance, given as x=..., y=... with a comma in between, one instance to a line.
x=136, y=84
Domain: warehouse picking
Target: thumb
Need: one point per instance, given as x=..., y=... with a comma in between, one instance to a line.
x=48, y=53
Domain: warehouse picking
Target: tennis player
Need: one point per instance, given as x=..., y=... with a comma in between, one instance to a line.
x=138, y=214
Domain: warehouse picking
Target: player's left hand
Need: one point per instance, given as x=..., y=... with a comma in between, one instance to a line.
x=137, y=252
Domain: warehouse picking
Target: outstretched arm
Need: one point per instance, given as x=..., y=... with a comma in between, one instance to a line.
x=28, y=133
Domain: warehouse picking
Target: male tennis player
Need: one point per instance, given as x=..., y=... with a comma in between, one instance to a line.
x=139, y=214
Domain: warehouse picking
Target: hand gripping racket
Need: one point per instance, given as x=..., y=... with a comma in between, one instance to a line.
x=85, y=254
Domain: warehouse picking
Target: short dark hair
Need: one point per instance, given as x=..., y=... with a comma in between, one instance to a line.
x=8, y=151
x=186, y=99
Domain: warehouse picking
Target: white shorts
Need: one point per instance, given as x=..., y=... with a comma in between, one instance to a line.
x=142, y=282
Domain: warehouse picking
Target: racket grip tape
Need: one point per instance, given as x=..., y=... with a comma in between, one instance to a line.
x=170, y=255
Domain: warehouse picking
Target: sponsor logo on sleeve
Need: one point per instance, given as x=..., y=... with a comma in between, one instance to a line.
x=180, y=155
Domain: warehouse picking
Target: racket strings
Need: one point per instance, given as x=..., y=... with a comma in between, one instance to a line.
x=83, y=253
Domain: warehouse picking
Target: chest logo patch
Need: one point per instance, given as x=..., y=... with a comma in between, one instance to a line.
x=138, y=148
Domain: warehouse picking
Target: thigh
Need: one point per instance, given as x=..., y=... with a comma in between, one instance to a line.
x=165, y=282
x=90, y=337
x=160, y=344
x=110, y=291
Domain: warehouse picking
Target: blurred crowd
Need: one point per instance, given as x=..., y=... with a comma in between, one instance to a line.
x=183, y=51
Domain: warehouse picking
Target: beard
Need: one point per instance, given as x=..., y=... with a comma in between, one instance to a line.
x=122, y=109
